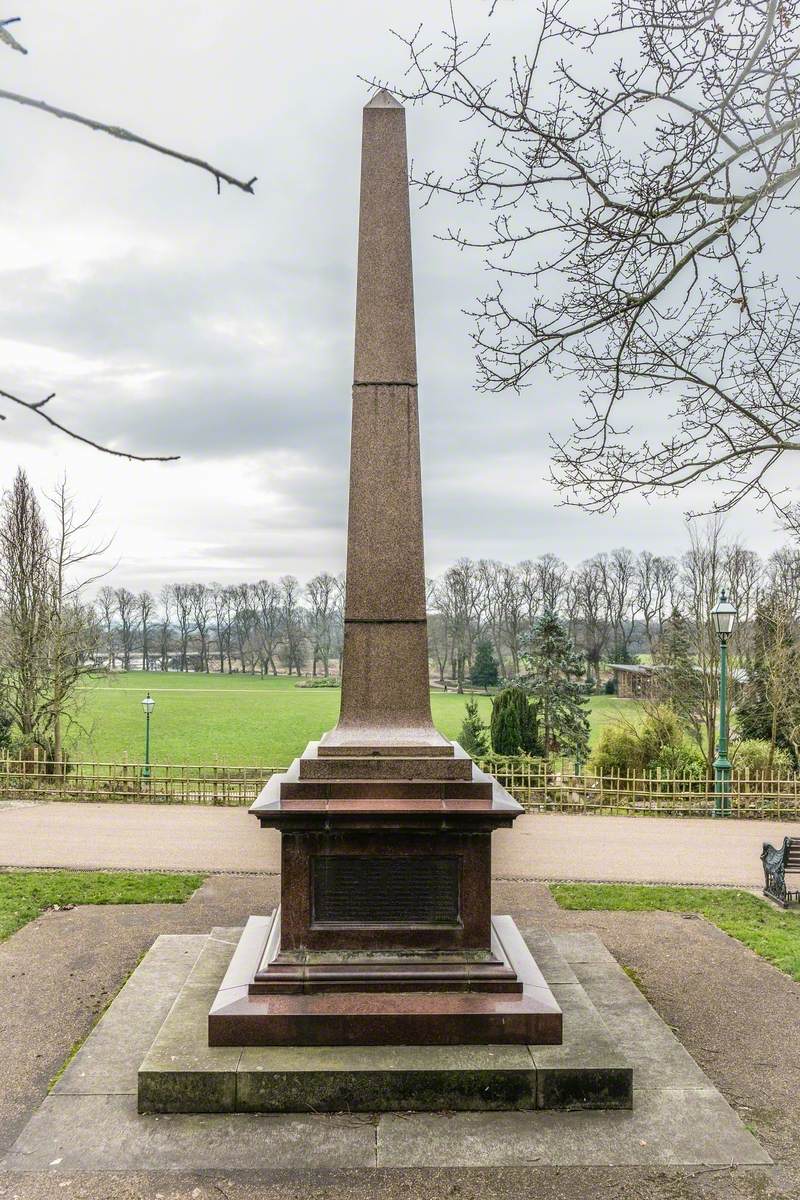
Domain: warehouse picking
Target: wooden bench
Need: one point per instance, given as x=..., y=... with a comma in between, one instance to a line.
x=779, y=862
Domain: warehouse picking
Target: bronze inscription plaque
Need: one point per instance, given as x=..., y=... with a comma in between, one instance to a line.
x=356, y=890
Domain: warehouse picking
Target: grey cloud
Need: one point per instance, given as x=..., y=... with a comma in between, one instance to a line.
x=220, y=328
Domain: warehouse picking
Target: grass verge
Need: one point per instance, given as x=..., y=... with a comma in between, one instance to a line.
x=26, y=894
x=773, y=934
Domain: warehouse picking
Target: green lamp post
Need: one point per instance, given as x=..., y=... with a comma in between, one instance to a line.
x=148, y=704
x=724, y=618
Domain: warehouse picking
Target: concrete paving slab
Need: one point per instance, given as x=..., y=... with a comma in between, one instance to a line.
x=588, y=1070
x=211, y=963
x=107, y=1061
x=105, y=1133
x=667, y=1126
x=385, y=1078
x=182, y=1074
x=580, y=947
x=609, y=984
x=658, y=1057
x=554, y=966
x=227, y=933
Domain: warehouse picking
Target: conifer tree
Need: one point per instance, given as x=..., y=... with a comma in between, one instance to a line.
x=484, y=669
x=514, y=725
x=473, y=736
x=506, y=733
x=555, y=679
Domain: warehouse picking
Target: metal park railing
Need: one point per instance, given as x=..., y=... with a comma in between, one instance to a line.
x=539, y=787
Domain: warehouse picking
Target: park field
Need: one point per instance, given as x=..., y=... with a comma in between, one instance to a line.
x=236, y=719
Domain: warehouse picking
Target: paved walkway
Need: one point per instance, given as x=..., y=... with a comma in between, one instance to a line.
x=540, y=846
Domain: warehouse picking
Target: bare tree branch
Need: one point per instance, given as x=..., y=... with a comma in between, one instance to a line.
x=621, y=202
x=36, y=406
x=125, y=135
x=8, y=38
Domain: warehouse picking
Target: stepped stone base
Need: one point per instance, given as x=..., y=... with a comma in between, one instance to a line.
x=273, y=998
x=182, y=1074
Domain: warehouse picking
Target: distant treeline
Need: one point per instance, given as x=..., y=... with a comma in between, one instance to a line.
x=615, y=605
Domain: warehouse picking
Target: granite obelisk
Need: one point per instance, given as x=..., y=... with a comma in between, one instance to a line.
x=385, y=688
x=385, y=933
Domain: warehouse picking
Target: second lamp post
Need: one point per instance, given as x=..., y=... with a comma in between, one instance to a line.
x=724, y=618
x=148, y=704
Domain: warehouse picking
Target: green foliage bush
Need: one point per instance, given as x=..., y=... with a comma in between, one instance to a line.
x=685, y=760
x=752, y=754
x=320, y=681
x=6, y=730
x=659, y=741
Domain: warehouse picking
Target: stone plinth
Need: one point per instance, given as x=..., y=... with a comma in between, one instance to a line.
x=385, y=934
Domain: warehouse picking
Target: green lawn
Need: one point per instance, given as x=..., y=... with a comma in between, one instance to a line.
x=237, y=719
x=25, y=894
x=773, y=934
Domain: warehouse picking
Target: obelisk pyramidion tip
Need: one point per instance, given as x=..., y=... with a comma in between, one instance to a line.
x=383, y=99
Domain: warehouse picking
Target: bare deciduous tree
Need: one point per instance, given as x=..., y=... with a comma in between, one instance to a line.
x=322, y=594
x=73, y=632
x=127, y=614
x=107, y=608
x=164, y=627
x=655, y=585
x=267, y=604
x=202, y=607
x=293, y=631
x=25, y=588
x=592, y=609
x=183, y=603
x=146, y=605
x=48, y=632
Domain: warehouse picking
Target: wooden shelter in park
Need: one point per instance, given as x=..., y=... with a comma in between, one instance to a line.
x=634, y=681
x=639, y=681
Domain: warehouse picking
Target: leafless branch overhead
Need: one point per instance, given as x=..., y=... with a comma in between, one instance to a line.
x=631, y=169
x=37, y=407
x=125, y=135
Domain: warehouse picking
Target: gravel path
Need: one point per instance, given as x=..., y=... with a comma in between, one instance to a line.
x=540, y=846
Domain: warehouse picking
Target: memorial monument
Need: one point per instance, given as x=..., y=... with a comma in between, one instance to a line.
x=385, y=934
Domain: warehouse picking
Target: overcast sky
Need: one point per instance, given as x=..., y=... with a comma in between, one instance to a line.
x=171, y=320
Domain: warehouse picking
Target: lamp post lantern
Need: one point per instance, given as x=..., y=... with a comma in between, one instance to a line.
x=148, y=704
x=724, y=617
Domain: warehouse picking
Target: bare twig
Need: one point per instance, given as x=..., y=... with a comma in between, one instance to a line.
x=635, y=206
x=37, y=407
x=125, y=135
